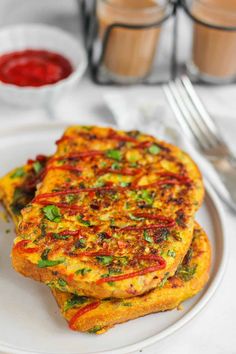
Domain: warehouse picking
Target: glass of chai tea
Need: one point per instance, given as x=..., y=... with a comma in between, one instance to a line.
x=214, y=50
x=130, y=52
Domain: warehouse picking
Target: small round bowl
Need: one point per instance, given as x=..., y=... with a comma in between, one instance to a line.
x=37, y=36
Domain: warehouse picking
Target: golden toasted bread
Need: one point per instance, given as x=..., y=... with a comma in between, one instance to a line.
x=87, y=314
x=111, y=208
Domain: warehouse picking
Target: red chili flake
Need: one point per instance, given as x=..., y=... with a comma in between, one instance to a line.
x=82, y=311
x=21, y=246
x=78, y=155
x=60, y=205
x=64, y=168
x=146, y=227
x=70, y=277
x=153, y=257
x=161, y=265
x=114, y=136
x=94, y=254
x=62, y=139
x=144, y=144
x=65, y=233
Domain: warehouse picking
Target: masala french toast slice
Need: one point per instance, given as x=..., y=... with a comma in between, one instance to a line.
x=110, y=211
x=97, y=316
x=92, y=315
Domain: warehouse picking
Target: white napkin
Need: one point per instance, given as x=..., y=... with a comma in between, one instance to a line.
x=152, y=117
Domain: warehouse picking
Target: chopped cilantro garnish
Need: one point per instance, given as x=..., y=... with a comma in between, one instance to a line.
x=75, y=300
x=114, y=154
x=171, y=253
x=111, y=271
x=146, y=196
x=70, y=198
x=147, y=237
x=99, y=183
x=45, y=253
x=83, y=271
x=47, y=263
x=154, y=149
x=164, y=280
x=19, y=172
x=133, y=217
x=52, y=213
x=80, y=218
x=87, y=127
x=115, y=166
x=186, y=272
x=95, y=329
x=105, y=260
x=123, y=260
x=128, y=304
x=60, y=237
x=37, y=166
x=62, y=282
x=80, y=243
x=124, y=184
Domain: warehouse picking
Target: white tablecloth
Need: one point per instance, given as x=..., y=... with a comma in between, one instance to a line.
x=214, y=329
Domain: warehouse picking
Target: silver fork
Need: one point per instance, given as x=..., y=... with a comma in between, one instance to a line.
x=198, y=125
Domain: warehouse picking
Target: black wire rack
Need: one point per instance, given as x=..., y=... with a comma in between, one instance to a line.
x=90, y=34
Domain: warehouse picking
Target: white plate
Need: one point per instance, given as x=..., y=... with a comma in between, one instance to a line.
x=30, y=321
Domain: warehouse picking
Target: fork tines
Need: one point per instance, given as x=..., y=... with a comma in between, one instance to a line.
x=191, y=113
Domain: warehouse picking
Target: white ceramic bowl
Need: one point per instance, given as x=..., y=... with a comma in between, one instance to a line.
x=37, y=36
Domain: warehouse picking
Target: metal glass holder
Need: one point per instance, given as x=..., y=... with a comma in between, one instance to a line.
x=90, y=34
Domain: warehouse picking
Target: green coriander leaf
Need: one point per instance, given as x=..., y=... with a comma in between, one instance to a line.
x=94, y=329
x=147, y=237
x=70, y=198
x=83, y=271
x=133, y=217
x=80, y=218
x=154, y=149
x=45, y=253
x=124, y=184
x=186, y=272
x=47, y=263
x=146, y=196
x=100, y=183
x=52, y=213
x=128, y=304
x=171, y=253
x=19, y=172
x=37, y=166
x=123, y=260
x=60, y=237
x=164, y=280
x=114, y=154
x=105, y=260
x=62, y=282
x=75, y=300
x=80, y=243
x=116, y=166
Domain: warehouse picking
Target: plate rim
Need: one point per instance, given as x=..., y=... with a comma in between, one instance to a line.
x=210, y=198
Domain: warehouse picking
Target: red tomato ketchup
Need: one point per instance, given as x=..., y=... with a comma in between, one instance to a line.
x=33, y=68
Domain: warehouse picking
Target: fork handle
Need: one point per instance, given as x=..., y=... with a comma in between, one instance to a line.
x=226, y=169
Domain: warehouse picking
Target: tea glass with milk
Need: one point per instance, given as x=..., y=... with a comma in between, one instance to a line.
x=130, y=51
x=214, y=49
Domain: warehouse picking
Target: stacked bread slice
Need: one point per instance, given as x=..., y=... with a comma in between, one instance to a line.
x=108, y=223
